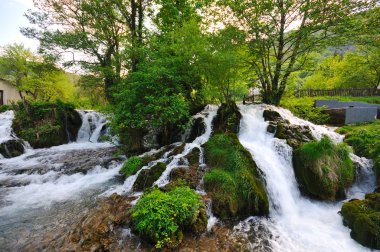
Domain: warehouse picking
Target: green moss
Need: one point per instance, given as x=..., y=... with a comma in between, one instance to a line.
x=132, y=165
x=363, y=217
x=162, y=217
x=233, y=182
x=324, y=170
x=227, y=119
x=147, y=177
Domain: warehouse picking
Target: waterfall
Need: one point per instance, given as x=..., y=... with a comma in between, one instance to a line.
x=6, y=119
x=296, y=223
x=92, y=126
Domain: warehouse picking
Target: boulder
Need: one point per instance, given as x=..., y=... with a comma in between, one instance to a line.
x=295, y=135
x=234, y=181
x=227, y=119
x=147, y=177
x=363, y=218
x=198, y=128
x=11, y=148
x=323, y=169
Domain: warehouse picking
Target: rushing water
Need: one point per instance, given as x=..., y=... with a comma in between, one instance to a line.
x=295, y=223
x=6, y=126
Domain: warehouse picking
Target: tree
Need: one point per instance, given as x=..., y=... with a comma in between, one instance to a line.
x=282, y=32
x=101, y=30
x=35, y=77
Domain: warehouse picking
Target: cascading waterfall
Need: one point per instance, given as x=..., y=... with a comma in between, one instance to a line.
x=6, y=119
x=296, y=223
x=92, y=126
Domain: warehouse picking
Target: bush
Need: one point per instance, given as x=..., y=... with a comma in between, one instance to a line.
x=304, y=108
x=4, y=108
x=323, y=170
x=163, y=216
x=234, y=181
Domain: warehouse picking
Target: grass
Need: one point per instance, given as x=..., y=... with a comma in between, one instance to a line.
x=365, y=140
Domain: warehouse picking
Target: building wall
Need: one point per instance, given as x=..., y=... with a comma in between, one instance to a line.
x=10, y=93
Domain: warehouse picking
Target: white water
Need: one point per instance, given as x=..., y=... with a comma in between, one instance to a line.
x=296, y=223
x=6, y=119
x=92, y=124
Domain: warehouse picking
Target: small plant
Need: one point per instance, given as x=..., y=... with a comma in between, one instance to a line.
x=163, y=216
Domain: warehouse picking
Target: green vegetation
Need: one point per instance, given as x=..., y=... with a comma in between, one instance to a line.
x=234, y=182
x=162, y=217
x=4, y=108
x=133, y=165
x=365, y=140
x=363, y=217
x=46, y=124
x=323, y=170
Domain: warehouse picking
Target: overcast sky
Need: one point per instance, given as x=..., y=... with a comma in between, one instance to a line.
x=11, y=19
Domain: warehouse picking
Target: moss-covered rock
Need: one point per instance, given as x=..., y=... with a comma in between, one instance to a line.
x=198, y=127
x=227, y=119
x=234, y=182
x=47, y=124
x=163, y=217
x=323, y=169
x=363, y=217
x=11, y=148
x=147, y=177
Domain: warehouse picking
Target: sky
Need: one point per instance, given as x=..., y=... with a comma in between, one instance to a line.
x=11, y=19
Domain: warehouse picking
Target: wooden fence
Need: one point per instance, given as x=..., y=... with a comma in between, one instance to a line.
x=338, y=92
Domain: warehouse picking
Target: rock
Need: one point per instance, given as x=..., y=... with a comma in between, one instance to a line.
x=234, y=182
x=73, y=124
x=12, y=148
x=363, y=217
x=295, y=135
x=198, y=128
x=323, y=170
x=227, y=119
x=147, y=177
x=271, y=115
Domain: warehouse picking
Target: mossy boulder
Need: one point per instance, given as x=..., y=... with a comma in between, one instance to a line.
x=323, y=169
x=147, y=177
x=11, y=148
x=295, y=135
x=163, y=217
x=227, y=119
x=234, y=181
x=47, y=124
x=198, y=128
x=363, y=217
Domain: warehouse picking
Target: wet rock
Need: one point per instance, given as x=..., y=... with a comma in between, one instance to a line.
x=227, y=119
x=363, y=217
x=11, y=148
x=147, y=177
x=198, y=128
x=295, y=135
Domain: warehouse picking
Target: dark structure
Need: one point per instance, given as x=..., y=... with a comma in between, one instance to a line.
x=349, y=112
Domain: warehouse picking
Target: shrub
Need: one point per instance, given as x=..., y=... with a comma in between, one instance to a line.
x=4, y=108
x=163, y=216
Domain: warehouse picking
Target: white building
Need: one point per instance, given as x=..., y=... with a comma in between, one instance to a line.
x=8, y=93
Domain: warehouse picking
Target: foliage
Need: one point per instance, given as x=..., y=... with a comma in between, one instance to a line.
x=45, y=124
x=363, y=217
x=323, y=169
x=35, y=77
x=163, y=216
x=282, y=33
x=233, y=182
x=4, y=108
